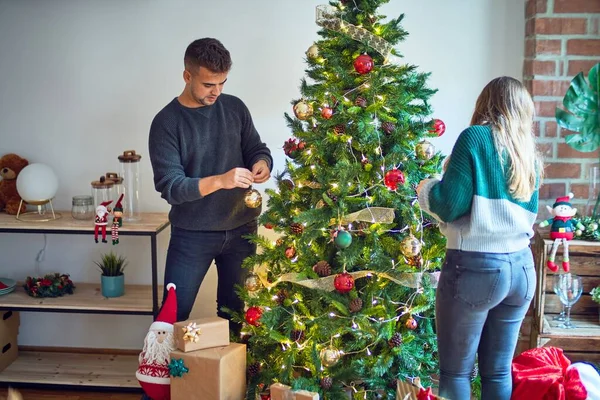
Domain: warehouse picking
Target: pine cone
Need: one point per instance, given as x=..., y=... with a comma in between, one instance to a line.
x=326, y=382
x=253, y=369
x=355, y=305
x=388, y=127
x=279, y=242
x=474, y=372
x=281, y=296
x=322, y=268
x=297, y=228
x=396, y=340
x=287, y=183
x=339, y=129
x=332, y=196
x=297, y=335
x=393, y=384
x=361, y=102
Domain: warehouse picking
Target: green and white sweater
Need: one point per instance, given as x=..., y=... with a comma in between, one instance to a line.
x=472, y=201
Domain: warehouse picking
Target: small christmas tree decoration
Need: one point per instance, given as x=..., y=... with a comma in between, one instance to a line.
x=329, y=356
x=253, y=315
x=297, y=335
x=425, y=150
x=252, y=198
x=388, y=127
x=339, y=129
x=322, y=268
x=396, y=340
x=326, y=112
x=343, y=282
x=296, y=228
x=411, y=324
x=410, y=246
x=313, y=51
x=360, y=102
x=363, y=64
x=438, y=127
x=254, y=369
x=290, y=252
x=355, y=305
x=342, y=239
x=303, y=110
x=252, y=282
x=326, y=382
x=392, y=178
x=287, y=183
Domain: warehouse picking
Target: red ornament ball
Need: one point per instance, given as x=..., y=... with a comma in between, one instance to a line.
x=439, y=127
x=363, y=64
x=411, y=324
x=269, y=225
x=394, y=177
x=290, y=252
x=326, y=112
x=344, y=282
x=253, y=315
x=265, y=396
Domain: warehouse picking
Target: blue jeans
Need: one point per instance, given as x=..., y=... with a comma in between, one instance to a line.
x=481, y=301
x=189, y=257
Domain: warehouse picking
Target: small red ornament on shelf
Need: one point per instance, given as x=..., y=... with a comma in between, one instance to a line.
x=363, y=64
x=326, y=112
x=253, y=315
x=343, y=282
x=392, y=178
x=439, y=127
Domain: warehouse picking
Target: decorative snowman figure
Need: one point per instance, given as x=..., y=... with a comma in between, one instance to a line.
x=562, y=229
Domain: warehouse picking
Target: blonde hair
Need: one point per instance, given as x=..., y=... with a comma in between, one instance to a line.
x=507, y=107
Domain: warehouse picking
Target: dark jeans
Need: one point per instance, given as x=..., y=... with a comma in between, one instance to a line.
x=481, y=301
x=189, y=257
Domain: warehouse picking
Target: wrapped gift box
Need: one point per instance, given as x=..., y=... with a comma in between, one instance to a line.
x=9, y=330
x=218, y=373
x=203, y=333
x=283, y=392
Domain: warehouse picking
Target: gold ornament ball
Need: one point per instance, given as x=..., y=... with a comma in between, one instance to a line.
x=410, y=246
x=303, y=110
x=425, y=150
x=329, y=356
x=252, y=282
x=313, y=51
x=252, y=198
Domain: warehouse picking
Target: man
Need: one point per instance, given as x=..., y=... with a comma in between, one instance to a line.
x=205, y=154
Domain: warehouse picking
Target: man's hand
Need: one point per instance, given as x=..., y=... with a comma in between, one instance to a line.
x=260, y=171
x=237, y=177
x=421, y=184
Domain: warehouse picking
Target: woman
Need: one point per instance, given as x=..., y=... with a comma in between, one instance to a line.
x=486, y=204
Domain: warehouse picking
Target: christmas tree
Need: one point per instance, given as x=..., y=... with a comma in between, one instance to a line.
x=343, y=302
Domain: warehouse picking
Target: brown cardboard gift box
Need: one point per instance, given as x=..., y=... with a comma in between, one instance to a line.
x=410, y=391
x=9, y=330
x=202, y=333
x=218, y=373
x=283, y=392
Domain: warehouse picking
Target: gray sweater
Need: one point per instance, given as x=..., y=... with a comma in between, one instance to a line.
x=187, y=144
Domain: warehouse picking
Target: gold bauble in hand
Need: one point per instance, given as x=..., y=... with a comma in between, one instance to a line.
x=252, y=198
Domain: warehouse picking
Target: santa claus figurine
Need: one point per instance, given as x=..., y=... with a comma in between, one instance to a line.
x=153, y=371
x=101, y=220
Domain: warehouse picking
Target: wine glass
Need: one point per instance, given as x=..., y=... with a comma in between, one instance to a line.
x=569, y=291
x=561, y=316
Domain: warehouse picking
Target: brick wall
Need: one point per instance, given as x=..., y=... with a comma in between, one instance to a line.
x=562, y=38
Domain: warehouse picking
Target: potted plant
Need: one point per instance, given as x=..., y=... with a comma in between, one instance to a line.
x=112, y=279
x=596, y=297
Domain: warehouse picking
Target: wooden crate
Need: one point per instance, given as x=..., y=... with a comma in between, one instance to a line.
x=583, y=342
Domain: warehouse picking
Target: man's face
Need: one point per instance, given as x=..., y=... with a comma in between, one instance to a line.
x=205, y=85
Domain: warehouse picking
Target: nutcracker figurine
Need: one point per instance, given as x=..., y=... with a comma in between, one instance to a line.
x=562, y=229
x=101, y=220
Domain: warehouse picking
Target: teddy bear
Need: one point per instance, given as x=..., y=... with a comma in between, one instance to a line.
x=10, y=167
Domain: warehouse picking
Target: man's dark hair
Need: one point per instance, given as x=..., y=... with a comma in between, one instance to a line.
x=208, y=53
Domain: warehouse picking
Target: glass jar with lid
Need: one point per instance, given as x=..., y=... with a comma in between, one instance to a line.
x=83, y=207
x=102, y=190
x=117, y=183
x=130, y=172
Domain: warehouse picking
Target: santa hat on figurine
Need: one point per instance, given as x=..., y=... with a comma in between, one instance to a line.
x=153, y=371
x=119, y=205
x=564, y=200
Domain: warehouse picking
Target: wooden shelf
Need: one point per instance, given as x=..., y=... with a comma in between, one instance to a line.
x=586, y=327
x=150, y=223
x=72, y=369
x=87, y=298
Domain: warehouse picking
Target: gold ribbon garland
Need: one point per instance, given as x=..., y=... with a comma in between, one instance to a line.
x=381, y=215
x=326, y=17
x=407, y=279
x=191, y=332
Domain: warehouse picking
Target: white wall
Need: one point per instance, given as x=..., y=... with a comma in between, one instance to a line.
x=80, y=82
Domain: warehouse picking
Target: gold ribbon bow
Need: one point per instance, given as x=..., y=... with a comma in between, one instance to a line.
x=191, y=332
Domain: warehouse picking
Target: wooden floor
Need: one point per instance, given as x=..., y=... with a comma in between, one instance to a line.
x=29, y=394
